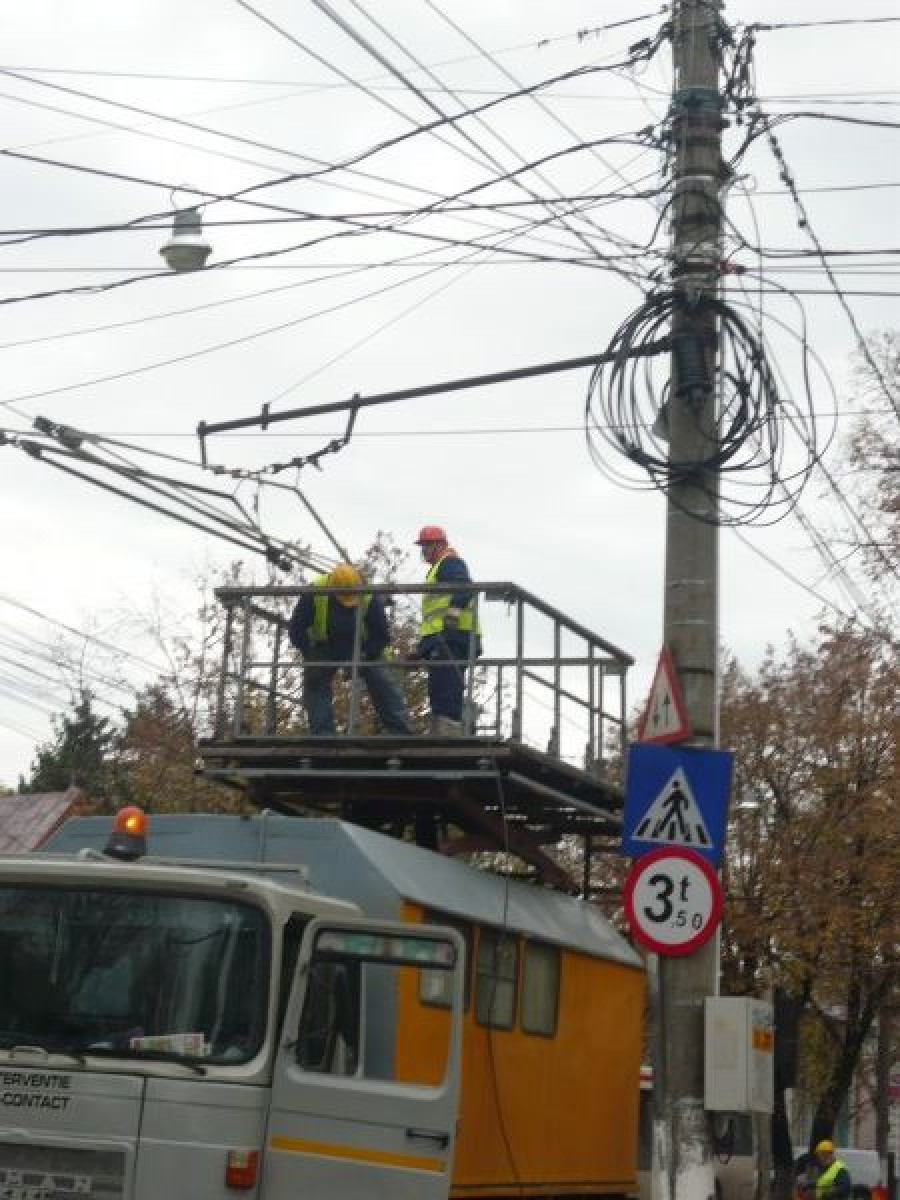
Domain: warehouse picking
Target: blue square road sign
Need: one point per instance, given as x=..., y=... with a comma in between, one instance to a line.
x=676, y=796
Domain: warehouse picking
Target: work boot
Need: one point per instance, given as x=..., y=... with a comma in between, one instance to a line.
x=446, y=727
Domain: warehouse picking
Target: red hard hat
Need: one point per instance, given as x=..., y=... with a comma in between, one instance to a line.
x=430, y=533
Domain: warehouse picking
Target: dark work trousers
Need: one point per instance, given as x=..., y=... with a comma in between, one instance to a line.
x=387, y=699
x=446, y=683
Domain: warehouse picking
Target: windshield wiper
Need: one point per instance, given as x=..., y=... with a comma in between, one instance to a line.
x=15, y=1045
x=172, y=1056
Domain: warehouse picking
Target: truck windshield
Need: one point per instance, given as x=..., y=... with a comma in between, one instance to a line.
x=132, y=973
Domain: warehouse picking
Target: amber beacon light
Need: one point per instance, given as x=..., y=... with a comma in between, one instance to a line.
x=128, y=838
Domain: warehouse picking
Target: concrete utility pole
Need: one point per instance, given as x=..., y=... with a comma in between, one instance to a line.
x=684, y=1158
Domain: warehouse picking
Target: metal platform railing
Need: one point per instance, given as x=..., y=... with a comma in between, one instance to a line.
x=542, y=678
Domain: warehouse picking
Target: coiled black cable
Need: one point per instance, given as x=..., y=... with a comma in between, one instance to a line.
x=760, y=453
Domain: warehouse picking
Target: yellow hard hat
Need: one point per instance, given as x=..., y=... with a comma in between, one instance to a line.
x=345, y=575
x=824, y=1147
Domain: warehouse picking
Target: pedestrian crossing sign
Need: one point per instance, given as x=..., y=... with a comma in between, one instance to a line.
x=676, y=796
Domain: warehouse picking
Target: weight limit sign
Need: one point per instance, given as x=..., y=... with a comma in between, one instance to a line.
x=673, y=900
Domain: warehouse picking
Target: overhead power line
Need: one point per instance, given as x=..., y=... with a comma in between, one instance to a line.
x=353, y=269
x=426, y=270
x=307, y=87
x=839, y=119
x=789, y=575
x=448, y=209
x=182, y=122
x=88, y=637
x=804, y=223
x=354, y=228
x=209, y=510
x=579, y=35
x=20, y=730
x=276, y=171
x=319, y=169
x=424, y=431
x=63, y=668
x=769, y=26
x=14, y=693
x=535, y=99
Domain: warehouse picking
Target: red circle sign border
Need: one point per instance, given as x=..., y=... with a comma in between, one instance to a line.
x=715, y=889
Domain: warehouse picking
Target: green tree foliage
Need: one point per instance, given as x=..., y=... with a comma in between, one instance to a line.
x=815, y=844
x=81, y=754
x=156, y=758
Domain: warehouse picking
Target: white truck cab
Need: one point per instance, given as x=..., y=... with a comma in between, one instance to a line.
x=188, y=1032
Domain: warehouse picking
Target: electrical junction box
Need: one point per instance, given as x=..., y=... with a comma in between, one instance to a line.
x=739, y=1054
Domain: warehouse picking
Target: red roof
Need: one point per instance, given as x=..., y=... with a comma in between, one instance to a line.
x=28, y=819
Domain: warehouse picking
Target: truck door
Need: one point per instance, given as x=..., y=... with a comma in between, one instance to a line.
x=366, y=1083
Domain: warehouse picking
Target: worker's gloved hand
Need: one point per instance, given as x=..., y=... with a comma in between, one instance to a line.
x=451, y=620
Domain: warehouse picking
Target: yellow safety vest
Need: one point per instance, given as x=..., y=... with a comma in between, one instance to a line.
x=435, y=605
x=318, y=630
x=825, y=1182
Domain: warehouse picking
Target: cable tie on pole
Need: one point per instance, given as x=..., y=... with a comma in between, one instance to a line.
x=264, y=416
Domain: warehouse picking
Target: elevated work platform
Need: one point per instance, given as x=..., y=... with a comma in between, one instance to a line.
x=493, y=795
x=528, y=769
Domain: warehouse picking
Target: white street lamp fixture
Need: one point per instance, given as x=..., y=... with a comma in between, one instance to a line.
x=187, y=249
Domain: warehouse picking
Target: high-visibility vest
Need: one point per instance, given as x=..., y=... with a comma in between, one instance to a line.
x=318, y=629
x=435, y=605
x=825, y=1182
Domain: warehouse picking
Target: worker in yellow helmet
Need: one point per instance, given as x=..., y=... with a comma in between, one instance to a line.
x=833, y=1181
x=323, y=628
x=825, y=1176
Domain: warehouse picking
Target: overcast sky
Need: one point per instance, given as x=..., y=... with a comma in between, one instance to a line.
x=145, y=362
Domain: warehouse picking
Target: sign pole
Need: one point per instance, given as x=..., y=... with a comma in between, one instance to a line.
x=691, y=574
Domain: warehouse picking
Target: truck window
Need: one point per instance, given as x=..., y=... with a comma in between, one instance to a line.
x=132, y=973
x=328, y=1037
x=358, y=1015
x=435, y=987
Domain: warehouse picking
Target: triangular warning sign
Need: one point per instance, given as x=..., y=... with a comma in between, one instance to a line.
x=674, y=818
x=665, y=718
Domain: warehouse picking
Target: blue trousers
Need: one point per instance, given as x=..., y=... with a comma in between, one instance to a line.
x=446, y=683
x=387, y=699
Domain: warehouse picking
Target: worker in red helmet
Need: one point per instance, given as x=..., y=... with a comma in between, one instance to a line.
x=449, y=635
